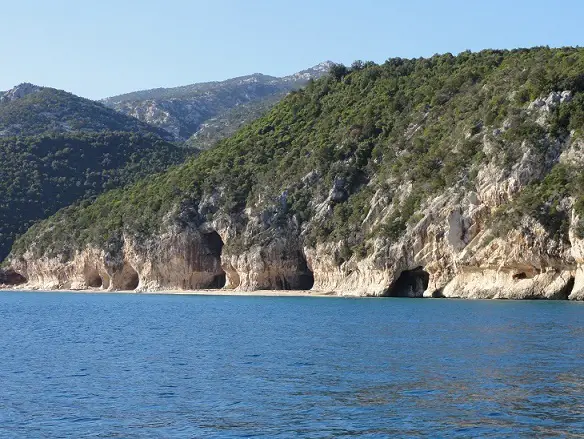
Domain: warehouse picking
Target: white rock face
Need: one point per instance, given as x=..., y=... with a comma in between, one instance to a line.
x=19, y=92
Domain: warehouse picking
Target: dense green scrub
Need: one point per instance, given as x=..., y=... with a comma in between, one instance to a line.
x=47, y=110
x=228, y=123
x=364, y=130
x=39, y=175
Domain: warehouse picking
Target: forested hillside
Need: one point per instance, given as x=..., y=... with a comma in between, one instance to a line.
x=367, y=175
x=28, y=110
x=41, y=174
x=229, y=122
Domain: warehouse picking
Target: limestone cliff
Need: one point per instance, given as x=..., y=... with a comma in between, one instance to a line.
x=370, y=182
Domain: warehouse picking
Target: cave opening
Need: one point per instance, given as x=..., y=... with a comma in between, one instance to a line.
x=92, y=277
x=529, y=273
x=214, y=245
x=301, y=278
x=218, y=281
x=410, y=283
x=129, y=278
x=306, y=278
x=11, y=277
x=564, y=293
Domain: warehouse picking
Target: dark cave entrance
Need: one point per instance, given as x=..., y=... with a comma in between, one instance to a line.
x=11, y=277
x=301, y=279
x=94, y=280
x=218, y=281
x=306, y=277
x=410, y=283
x=129, y=278
x=92, y=277
x=524, y=275
x=214, y=245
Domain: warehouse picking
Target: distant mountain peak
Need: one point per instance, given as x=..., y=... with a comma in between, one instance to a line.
x=183, y=111
x=28, y=110
x=324, y=66
x=20, y=91
x=314, y=72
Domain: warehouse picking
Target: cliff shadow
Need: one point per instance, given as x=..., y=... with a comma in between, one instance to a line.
x=214, y=245
x=410, y=283
x=564, y=293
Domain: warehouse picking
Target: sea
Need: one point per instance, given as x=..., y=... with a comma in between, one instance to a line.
x=185, y=366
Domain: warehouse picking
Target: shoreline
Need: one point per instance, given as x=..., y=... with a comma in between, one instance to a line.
x=210, y=292
x=265, y=293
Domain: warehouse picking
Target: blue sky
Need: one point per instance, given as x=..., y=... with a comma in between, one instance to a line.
x=99, y=48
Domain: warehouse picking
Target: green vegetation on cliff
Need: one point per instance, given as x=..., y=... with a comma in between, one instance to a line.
x=39, y=175
x=405, y=130
x=228, y=123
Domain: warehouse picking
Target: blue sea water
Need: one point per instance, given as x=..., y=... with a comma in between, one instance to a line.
x=164, y=366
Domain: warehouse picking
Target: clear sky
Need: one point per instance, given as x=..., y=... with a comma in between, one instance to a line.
x=99, y=48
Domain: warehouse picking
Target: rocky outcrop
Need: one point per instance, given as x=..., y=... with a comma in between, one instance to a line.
x=83, y=270
x=187, y=259
x=503, y=283
x=271, y=268
x=180, y=259
x=19, y=92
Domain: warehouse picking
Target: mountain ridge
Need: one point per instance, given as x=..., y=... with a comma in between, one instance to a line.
x=28, y=109
x=181, y=90
x=183, y=110
x=58, y=148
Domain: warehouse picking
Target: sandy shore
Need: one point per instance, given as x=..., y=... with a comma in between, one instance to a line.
x=274, y=293
x=261, y=293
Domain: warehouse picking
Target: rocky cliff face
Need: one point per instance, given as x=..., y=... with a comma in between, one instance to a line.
x=507, y=225
x=450, y=252
x=433, y=260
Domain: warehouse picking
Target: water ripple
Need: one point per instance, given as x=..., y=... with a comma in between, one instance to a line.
x=130, y=366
